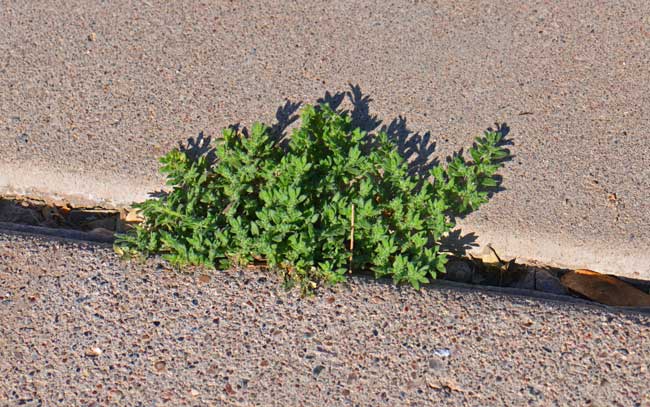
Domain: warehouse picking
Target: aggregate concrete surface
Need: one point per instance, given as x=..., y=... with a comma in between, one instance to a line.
x=78, y=327
x=93, y=92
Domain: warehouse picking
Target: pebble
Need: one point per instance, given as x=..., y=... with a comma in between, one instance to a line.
x=546, y=282
x=317, y=370
x=22, y=139
x=459, y=271
x=94, y=351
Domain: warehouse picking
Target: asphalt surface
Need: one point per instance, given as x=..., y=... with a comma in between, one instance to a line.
x=94, y=92
x=80, y=327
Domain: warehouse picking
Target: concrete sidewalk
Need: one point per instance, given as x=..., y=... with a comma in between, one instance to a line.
x=79, y=327
x=94, y=92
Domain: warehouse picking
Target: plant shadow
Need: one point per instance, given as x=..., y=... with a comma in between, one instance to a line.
x=417, y=148
x=457, y=243
x=199, y=146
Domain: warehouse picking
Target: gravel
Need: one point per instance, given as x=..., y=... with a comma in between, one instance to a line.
x=80, y=327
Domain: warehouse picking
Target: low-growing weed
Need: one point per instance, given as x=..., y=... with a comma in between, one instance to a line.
x=333, y=201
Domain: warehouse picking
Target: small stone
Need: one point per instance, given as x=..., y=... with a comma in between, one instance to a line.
x=115, y=395
x=107, y=223
x=460, y=271
x=194, y=393
x=22, y=139
x=548, y=283
x=229, y=390
x=534, y=391
x=167, y=395
x=94, y=351
x=442, y=352
x=435, y=364
x=92, y=37
x=160, y=365
x=204, y=279
x=317, y=370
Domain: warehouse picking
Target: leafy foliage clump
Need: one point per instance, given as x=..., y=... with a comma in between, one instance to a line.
x=334, y=200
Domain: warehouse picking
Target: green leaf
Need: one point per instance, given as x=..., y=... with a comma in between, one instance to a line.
x=489, y=182
x=291, y=205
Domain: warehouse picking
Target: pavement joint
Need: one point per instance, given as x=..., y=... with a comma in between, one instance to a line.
x=57, y=219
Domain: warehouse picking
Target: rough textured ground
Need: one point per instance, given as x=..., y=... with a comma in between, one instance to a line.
x=94, y=92
x=79, y=327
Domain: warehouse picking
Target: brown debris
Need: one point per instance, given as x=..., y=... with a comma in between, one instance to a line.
x=134, y=216
x=605, y=289
x=445, y=384
x=52, y=214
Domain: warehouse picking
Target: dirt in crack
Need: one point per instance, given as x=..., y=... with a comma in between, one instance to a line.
x=100, y=224
x=37, y=213
x=490, y=270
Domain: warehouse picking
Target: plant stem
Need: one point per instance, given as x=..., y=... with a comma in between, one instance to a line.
x=351, y=236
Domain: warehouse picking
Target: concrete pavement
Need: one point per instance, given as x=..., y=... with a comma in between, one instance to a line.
x=79, y=327
x=94, y=92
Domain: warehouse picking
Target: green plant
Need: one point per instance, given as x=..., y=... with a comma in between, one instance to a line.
x=334, y=201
